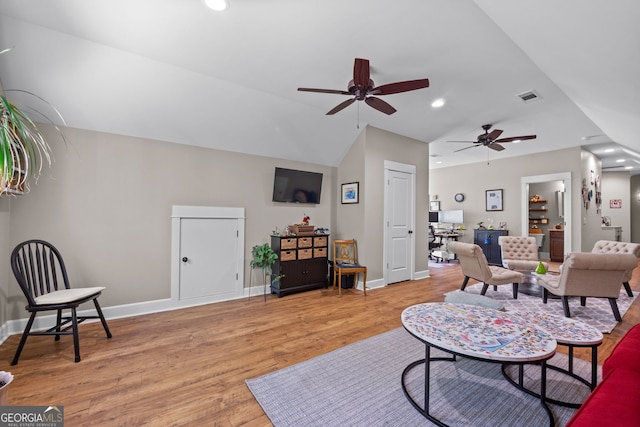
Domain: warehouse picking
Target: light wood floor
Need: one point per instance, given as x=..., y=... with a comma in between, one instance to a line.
x=188, y=367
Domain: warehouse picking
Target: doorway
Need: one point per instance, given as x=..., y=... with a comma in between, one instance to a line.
x=399, y=221
x=565, y=178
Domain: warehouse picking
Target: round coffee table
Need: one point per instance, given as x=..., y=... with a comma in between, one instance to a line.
x=567, y=332
x=477, y=333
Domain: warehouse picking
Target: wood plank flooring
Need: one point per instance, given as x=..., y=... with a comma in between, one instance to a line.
x=188, y=367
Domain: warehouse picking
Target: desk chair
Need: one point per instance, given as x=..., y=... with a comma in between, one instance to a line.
x=42, y=277
x=345, y=257
x=433, y=244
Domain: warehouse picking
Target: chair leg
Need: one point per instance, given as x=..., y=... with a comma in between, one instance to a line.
x=103, y=320
x=545, y=295
x=59, y=322
x=583, y=301
x=565, y=306
x=364, y=284
x=464, y=283
x=76, y=339
x=339, y=284
x=515, y=291
x=484, y=289
x=23, y=340
x=614, y=308
x=628, y=289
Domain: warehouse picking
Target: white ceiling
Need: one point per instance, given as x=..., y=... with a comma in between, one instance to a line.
x=173, y=70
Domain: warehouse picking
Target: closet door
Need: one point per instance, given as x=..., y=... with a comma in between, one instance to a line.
x=208, y=264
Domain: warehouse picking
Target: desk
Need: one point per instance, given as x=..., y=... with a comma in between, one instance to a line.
x=478, y=333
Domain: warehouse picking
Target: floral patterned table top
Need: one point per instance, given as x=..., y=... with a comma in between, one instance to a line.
x=478, y=332
x=564, y=329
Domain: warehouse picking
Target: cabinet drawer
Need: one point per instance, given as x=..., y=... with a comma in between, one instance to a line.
x=305, y=242
x=319, y=252
x=288, y=244
x=305, y=253
x=287, y=255
x=320, y=241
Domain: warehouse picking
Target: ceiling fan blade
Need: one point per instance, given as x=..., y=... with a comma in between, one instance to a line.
x=495, y=146
x=515, y=138
x=379, y=105
x=361, y=72
x=494, y=134
x=399, y=87
x=308, y=89
x=341, y=106
x=466, y=148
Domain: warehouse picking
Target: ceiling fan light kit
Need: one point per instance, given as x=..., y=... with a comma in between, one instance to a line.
x=362, y=88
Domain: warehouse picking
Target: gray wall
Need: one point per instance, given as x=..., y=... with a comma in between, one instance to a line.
x=106, y=204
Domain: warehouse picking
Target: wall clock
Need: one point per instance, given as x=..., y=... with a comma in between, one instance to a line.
x=459, y=197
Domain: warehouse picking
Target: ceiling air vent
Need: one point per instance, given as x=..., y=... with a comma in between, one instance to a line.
x=529, y=96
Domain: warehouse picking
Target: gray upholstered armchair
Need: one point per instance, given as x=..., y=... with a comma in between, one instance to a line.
x=519, y=253
x=588, y=275
x=611, y=247
x=475, y=266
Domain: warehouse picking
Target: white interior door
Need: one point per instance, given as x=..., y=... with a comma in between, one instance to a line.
x=399, y=209
x=208, y=258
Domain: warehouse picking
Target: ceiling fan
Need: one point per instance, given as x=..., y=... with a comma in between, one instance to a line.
x=492, y=139
x=362, y=88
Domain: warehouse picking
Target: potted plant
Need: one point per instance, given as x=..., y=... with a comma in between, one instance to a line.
x=264, y=257
x=23, y=148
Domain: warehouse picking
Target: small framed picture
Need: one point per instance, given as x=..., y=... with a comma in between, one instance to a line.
x=494, y=200
x=615, y=203
x=434, y=206
x=350, y=193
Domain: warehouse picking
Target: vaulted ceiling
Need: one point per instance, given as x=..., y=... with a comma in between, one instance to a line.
x=176, y=71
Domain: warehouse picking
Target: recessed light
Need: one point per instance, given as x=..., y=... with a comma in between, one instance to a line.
x=437, y=103
x=439, y=162
x=609, y=150
x=628, y=167
x=620, y=160
x=217, y=5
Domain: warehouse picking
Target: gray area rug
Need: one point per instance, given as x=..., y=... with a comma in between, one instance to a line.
x=359, y=385
x=597, y=312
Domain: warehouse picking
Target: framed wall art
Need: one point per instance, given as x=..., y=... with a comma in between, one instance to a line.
x=350, y=193
x=494, y=200
x=434, y=206
x=615, y=203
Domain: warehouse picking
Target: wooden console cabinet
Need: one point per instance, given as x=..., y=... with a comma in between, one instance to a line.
x=488, y=241
x=556, y=245
x=303, y=262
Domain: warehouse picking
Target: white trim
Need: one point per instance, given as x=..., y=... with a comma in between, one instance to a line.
x=180, y=212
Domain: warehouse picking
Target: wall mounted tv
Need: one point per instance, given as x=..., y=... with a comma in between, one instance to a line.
x=296, y=186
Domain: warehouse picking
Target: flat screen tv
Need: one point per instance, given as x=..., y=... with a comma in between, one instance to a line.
x=296, y=186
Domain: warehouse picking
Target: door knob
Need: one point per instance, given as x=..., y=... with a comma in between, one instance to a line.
x=185, y=259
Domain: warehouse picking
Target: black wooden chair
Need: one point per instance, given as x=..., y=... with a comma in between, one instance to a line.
x=42, y=276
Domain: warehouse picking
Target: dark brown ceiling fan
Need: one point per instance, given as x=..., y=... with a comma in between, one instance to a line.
x=362, y=88
x=492, y=139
